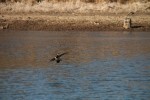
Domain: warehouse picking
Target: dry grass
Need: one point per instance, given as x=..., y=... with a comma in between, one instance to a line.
x=87, y=1
x=76, y=6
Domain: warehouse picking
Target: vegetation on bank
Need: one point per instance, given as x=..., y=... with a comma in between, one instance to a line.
x=87, y=1
x=75, y=6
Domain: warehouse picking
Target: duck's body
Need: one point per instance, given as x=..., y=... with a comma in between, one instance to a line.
x=57, y=57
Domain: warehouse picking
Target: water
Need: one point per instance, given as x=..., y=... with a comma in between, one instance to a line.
x=99, y=66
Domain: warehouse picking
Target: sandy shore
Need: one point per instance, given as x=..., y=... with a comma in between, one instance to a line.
x=74, y=22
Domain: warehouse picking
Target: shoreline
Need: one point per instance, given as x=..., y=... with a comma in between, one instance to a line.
x=71, y=22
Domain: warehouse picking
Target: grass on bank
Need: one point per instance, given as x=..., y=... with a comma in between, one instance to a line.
x=74, y=6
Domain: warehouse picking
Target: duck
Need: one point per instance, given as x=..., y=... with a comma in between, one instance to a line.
x=57, y=58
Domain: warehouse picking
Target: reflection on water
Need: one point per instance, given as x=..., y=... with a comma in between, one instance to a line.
x=99, y=66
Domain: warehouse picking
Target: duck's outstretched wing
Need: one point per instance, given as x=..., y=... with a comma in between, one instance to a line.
x=53, y=59
x=62, y=54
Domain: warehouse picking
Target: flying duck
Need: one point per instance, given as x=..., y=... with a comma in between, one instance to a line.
x=57, y=57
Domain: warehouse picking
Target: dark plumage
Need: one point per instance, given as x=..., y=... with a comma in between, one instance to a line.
x=57, y=57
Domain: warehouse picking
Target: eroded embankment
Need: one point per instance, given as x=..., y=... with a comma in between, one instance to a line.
x=76, y=22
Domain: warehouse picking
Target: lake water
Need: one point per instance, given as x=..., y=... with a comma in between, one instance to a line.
x=99, y=65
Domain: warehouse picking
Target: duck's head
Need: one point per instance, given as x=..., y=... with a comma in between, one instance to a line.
x=57, y=55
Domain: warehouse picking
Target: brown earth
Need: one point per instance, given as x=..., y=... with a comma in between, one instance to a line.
x=73, y=22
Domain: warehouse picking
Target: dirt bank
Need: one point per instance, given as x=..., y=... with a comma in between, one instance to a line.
x=74, y=22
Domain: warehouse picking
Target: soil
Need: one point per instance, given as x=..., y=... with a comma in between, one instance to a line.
x=72, y=22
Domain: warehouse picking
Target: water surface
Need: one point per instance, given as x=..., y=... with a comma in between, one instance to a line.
x=99, y=66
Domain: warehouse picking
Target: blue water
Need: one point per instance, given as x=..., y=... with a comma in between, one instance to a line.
x=99, y=66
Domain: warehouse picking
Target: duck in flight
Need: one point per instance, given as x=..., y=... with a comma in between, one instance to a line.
x=57, y=57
